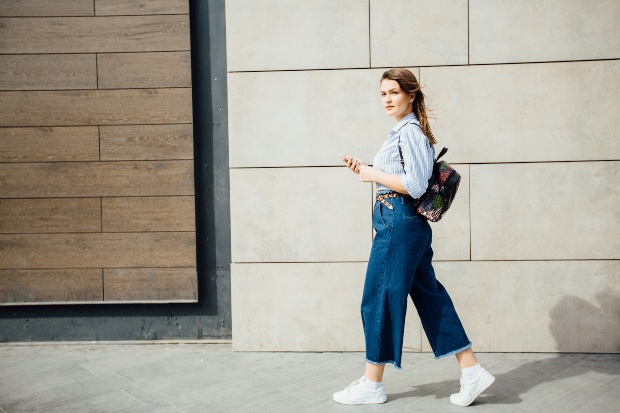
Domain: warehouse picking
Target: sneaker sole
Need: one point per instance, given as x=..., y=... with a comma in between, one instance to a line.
x=367, y=401
x=477, y=393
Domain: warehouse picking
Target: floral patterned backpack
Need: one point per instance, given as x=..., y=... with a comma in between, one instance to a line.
x=441, y=190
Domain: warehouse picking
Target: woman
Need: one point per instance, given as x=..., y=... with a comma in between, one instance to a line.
x=400, y=260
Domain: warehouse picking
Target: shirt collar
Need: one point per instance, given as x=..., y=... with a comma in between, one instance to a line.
x=410, y=118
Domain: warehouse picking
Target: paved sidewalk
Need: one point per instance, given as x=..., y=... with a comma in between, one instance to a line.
x=201, y=378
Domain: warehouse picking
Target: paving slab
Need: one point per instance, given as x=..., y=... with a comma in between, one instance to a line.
x=205, y=378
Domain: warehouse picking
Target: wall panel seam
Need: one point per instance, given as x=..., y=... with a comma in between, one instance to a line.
x=134, y=160
x=83, y=125
x=427, y=66
x=92, y=90
x=39, y=269
x=469, y=208
x=94, y=197
x=468, y=33
x=369, y=38
x=101, y=214
x=125, y=161
x=110, y=16
x=84, y=233
x=119, y=52
x=453, y=261
x=453, y=162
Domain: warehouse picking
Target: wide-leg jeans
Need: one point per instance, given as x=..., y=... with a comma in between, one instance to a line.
x=400, y=266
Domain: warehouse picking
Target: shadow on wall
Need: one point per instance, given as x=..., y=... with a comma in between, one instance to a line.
x=576, y=325
x=579, y=326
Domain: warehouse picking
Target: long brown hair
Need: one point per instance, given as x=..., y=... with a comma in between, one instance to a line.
x=409, y=84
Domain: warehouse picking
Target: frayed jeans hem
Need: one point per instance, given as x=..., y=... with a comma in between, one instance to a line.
x=453, y=352
x=385, y=362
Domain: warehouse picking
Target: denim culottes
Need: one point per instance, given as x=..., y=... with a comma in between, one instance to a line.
x=400, y=265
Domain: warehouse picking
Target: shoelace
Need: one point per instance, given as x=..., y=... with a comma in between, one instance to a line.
x=352, y=385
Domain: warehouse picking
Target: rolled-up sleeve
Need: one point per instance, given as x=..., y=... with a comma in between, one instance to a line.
x=418, y=158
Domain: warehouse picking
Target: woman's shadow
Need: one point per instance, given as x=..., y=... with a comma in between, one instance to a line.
x=576, y=325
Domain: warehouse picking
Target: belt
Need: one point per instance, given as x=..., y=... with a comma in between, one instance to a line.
x=382, y=198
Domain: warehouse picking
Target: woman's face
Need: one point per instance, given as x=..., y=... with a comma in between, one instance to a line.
x=396, y=102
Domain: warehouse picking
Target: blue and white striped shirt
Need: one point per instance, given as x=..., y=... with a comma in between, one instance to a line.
x=418, y=154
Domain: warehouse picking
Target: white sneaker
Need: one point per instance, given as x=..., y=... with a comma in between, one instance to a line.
x=359, y=393
x=471, y=389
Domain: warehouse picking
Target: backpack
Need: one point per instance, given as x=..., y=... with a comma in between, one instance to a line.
x=441, y=190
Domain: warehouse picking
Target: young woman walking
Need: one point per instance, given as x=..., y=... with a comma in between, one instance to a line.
x=400, y=259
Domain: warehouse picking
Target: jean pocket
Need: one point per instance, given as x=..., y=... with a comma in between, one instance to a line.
x=412, y=215
x=386, y=215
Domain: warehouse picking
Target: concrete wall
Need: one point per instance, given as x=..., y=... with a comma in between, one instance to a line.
x=526, y=96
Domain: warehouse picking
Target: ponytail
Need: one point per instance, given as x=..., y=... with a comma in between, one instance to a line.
x=419, y=108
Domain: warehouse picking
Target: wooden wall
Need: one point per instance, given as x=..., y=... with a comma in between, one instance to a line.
x=96, y=153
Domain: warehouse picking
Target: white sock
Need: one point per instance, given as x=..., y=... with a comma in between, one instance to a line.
x=471, y=373
x=373, y=385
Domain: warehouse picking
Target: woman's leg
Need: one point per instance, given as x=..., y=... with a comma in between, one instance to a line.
x=474, y=379
x=445, y=332
x=398, y=247
x=440, y=321
x=374, y=372
x=466, y=358
x=391, y=268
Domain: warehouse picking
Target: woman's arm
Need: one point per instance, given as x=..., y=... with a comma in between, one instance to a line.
x=370, y=174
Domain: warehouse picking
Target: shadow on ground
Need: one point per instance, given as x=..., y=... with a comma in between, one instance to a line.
x=509, y=386
x=575, y=324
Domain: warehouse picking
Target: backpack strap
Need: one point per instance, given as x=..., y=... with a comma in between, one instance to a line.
x=400, y=153
x=442, y=153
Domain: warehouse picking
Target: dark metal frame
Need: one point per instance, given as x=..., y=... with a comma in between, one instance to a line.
x=210, y=318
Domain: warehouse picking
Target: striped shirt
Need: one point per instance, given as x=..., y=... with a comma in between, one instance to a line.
x=419, y=157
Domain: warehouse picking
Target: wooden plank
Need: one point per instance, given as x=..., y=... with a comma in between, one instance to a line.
x=144, y=70
x=51, y=286
x=150, y=284
x=96, y=107
x=92, y=179
x=44, y=8
x=49, y=144
x=50, y=215
x=94, y=34
x=48, y=72
x=97, y=250
x=147, y=142
x=124, y=7
x=145, y=214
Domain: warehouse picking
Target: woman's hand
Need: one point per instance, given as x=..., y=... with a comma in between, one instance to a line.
x=353, y=164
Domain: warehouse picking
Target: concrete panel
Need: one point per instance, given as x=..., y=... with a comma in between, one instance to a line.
x=420, y=33
x=280, y=34
x=521, y=306
x=305, y=118
x=299, y=215
x=261, y=226
x=303, y=307
x=526, y=113
x=545, y=211
x=505, y=31
x=451, y=235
